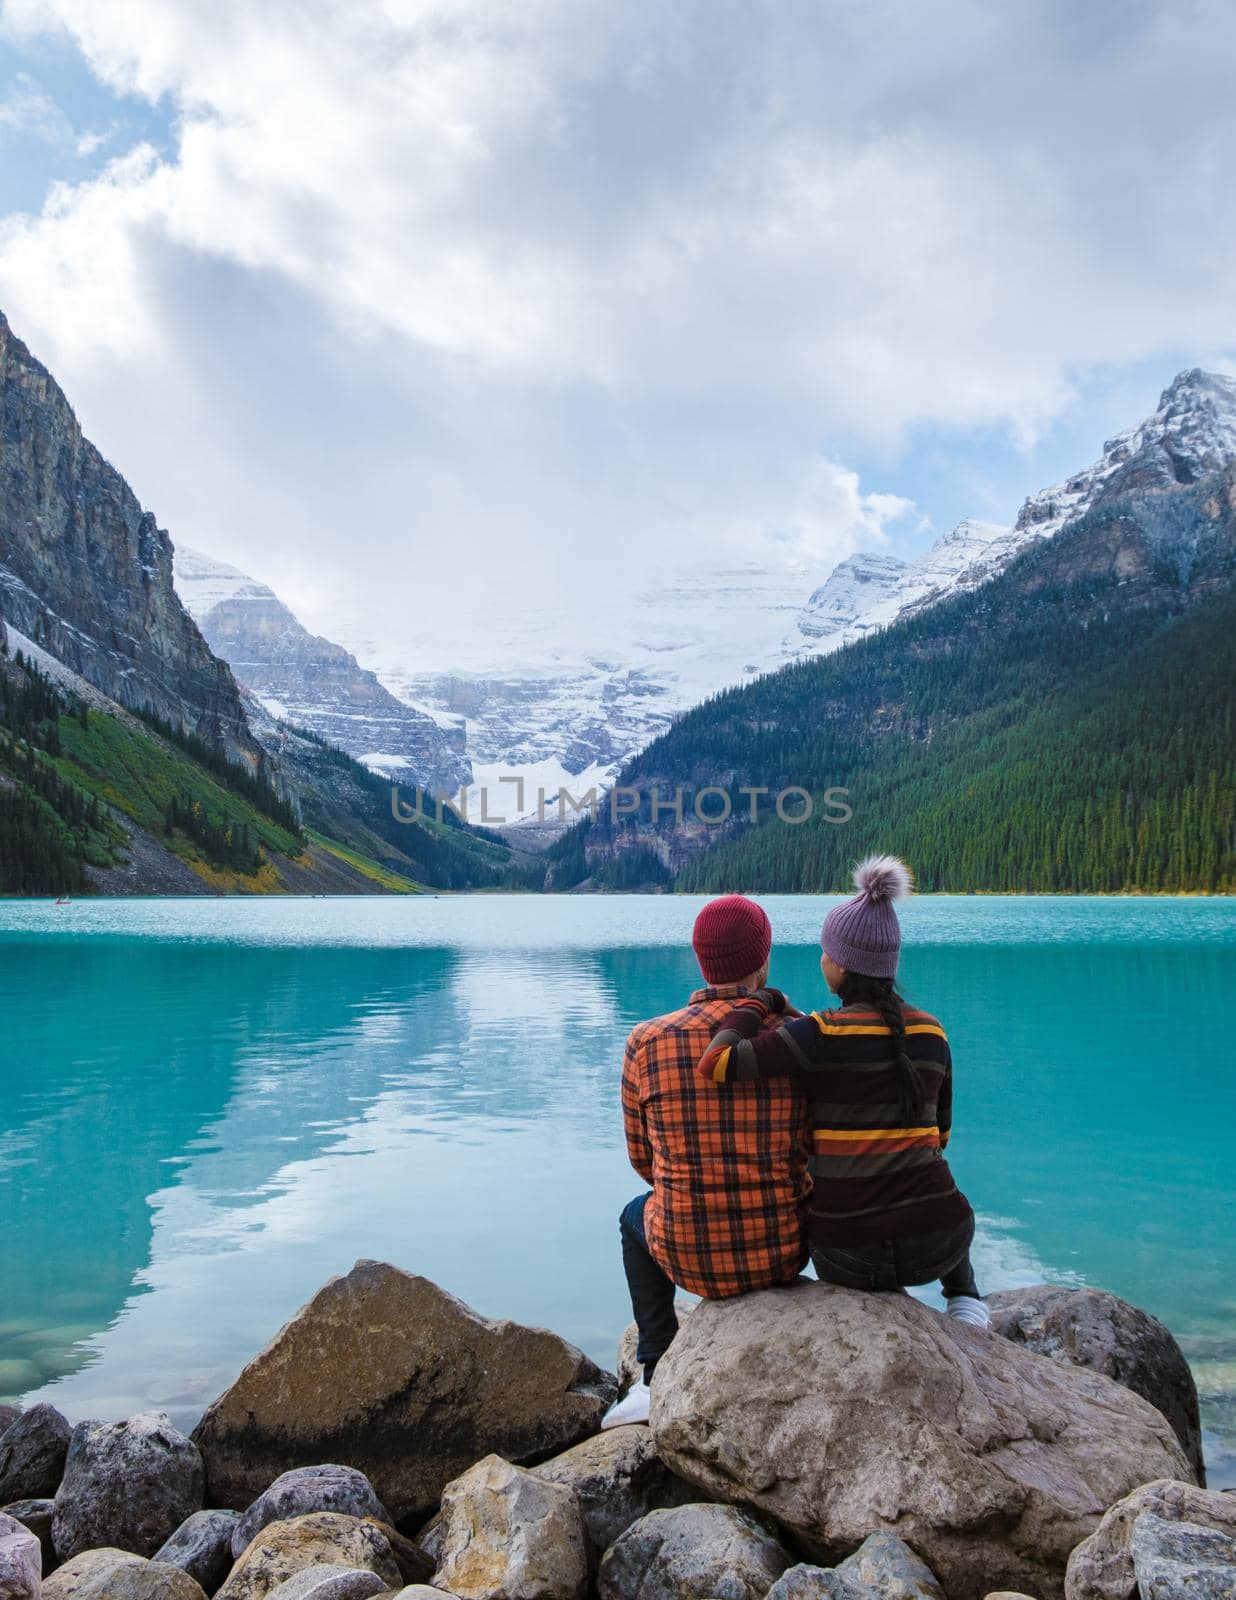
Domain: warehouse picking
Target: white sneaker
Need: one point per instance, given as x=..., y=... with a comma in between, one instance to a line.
x=633, y=1407
x=965, y=1308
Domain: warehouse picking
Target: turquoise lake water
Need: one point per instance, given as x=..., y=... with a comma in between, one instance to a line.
x=209, y=1107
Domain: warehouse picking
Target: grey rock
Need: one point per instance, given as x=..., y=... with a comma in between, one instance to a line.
x=36, y=1515
x=202, y=1547
x=128, y=1485
x=420, y=1591
x=8, y=1414
x=618, y=1478
x=507, y=1533
x=32, y=1454
x=889, y=1569
x=835, y=1412
x=882, y=1568
x=1101, y=1568
x=330, y=1583
x=21, y=1561
x=305, y=1489
x=320, y=1539
x=1182, y=1560
x=414, y=1565
x=429, y=1539
x=386, y=1372
x=696, y=1552
x=119, y=1575
x=1090, y=1328
x=813, y=1583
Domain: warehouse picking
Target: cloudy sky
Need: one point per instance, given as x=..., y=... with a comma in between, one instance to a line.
x=429, y=311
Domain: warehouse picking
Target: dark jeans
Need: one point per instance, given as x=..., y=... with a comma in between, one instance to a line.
x=652, y=1292
x=898, y=1263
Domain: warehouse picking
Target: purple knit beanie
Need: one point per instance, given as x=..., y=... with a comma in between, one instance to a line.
x=863, y=935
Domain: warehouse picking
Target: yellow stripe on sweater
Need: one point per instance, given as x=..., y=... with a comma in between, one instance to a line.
x=874, y=1133
x=840, y=1032
x=723, y=1061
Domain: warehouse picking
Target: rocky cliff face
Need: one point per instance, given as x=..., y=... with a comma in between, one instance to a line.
x=302, y=678
x=87, y=573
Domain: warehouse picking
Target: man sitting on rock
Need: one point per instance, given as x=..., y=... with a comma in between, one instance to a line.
x=727, y=1210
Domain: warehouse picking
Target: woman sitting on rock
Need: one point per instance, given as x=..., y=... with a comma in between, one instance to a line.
x=885, y=1212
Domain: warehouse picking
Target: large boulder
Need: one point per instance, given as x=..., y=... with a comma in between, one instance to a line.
x=1091, y=1328
x=388, y=1373
x=1102, y=1566
x=840, y=1413
x=692, y=1553
x=108, y=1574
x=126, y=1484
x=32, y=1454
x=510, y=1535
x=617, y=1478
x=21, y=1561
x=305, y=1489
x=8, y=1414
x=1174, y=1559
x=202, y=1546
x=321, y=1539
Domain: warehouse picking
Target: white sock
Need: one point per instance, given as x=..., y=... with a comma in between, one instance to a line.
x=965, y=1308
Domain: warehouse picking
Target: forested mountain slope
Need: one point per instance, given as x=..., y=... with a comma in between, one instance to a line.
x=1067, y=726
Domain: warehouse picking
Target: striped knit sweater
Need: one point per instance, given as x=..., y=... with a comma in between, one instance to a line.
x=873, y=1177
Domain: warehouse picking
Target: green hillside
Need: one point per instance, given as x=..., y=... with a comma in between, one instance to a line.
x=1066, y=727
x=1126, y=783
x=76, y=781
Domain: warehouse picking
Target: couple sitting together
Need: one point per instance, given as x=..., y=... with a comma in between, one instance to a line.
x=769, y=1137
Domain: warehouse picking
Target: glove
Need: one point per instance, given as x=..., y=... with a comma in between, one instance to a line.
x=773, y=999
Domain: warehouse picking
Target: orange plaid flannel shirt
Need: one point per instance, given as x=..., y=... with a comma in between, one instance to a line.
x=728, y=1168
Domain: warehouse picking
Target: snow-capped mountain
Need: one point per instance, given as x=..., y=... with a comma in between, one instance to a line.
x=1189, y=436
x=552, y=705
x=563, y=712
x=867, y=592
x=301, y=678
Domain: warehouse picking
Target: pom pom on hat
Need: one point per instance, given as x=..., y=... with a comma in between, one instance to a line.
x=883, y=878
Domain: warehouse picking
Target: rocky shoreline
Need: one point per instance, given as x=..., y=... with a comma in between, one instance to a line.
x=805, y=1444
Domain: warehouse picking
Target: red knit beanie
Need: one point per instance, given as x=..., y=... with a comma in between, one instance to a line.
x=731, y=939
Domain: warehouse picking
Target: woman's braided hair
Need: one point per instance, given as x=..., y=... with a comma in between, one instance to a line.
x=881, y=995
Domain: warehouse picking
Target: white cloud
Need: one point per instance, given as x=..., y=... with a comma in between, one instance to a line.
x=26, y=108
x=566, y=285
